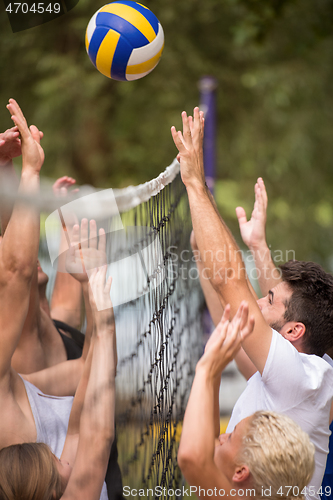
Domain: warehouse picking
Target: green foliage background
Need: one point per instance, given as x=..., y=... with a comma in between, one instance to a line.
x=273, y=60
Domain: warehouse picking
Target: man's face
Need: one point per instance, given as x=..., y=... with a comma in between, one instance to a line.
x=273, y=306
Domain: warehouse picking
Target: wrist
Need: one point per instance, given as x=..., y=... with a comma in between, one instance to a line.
x=260, y=247
x=196, y=185
x=29, y=180
x=207, y=373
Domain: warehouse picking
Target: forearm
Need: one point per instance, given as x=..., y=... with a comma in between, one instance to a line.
x=199, y=422
x=59, y=380
x=218, y=249
x=268, y=274
x=7, y=175
x=99, y=404
x=72, y=437
x=19, y=248
x=89, y=318
x=66, y=300
x=18, y=258
x=75, y=416
x=217, y=382
x=244, y=364
x=215, y=308
x=213, y=301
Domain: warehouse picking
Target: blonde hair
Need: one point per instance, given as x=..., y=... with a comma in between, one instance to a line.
x=28, y=472
x=280, y=456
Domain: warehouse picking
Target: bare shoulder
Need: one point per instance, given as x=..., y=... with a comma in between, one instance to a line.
x=17, y=423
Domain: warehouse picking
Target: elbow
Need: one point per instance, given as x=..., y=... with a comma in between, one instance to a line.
x=230, y=280
x=104, y=430
x=103, y=442
x=189, y=461
x=231, y=275
x=183, y=461
x=109, y=435
x=20, y=268
x=194, y=465
x=14, y=274
x=100, y=443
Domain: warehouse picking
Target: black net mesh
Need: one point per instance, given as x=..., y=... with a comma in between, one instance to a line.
x=158, y=321
x=155, y=375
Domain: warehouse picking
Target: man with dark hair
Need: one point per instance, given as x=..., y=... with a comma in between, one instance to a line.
x=287, y=379
x=310, y=303
x=307, y=280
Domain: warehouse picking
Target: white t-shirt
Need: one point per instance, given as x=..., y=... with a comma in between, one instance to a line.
x=297, y=385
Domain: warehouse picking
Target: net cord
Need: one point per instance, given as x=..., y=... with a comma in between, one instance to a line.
x=126, y=198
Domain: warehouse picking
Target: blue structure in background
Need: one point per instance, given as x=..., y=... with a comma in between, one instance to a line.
x=207, y=87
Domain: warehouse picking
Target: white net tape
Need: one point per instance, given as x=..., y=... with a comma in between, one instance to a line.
x=125, y=198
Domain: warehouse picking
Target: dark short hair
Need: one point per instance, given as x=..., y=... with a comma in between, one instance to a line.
x=311, y=303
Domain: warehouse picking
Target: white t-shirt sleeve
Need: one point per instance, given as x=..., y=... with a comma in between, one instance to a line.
x=289, y=376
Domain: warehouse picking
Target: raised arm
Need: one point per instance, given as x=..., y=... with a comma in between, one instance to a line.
x=10, y=147
x=91, y=425
x=220, y=253
x=66, y=302
x=216, y=309
x=86, y=253
x=201, y=420
x=254, y=236
x=19, y=246
x=213, y=300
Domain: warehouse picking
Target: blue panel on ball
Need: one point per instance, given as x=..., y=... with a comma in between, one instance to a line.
x=95, y=42
x=120, y=60
x=151, y=18
x=126, y=29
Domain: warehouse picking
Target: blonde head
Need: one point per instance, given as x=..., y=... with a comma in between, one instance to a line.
x=28, y=472
x=278, y=454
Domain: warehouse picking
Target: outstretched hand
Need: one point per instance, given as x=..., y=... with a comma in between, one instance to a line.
x=32, y=152
x=253, y=230
x=10, y=145
x=85, y=253
x=62, y=185
x=226, y=339
x=189, y=145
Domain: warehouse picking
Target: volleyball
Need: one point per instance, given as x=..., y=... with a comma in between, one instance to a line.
x=124, y=40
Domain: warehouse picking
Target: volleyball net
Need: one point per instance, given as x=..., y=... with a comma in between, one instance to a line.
x=157, y=302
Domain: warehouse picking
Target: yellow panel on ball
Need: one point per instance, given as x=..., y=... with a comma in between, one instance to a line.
x=132, y=16
x=106, y=51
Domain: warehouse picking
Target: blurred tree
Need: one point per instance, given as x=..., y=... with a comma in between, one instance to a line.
x=273, y=63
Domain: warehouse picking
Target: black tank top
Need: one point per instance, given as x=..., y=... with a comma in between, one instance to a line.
x=74, y=343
